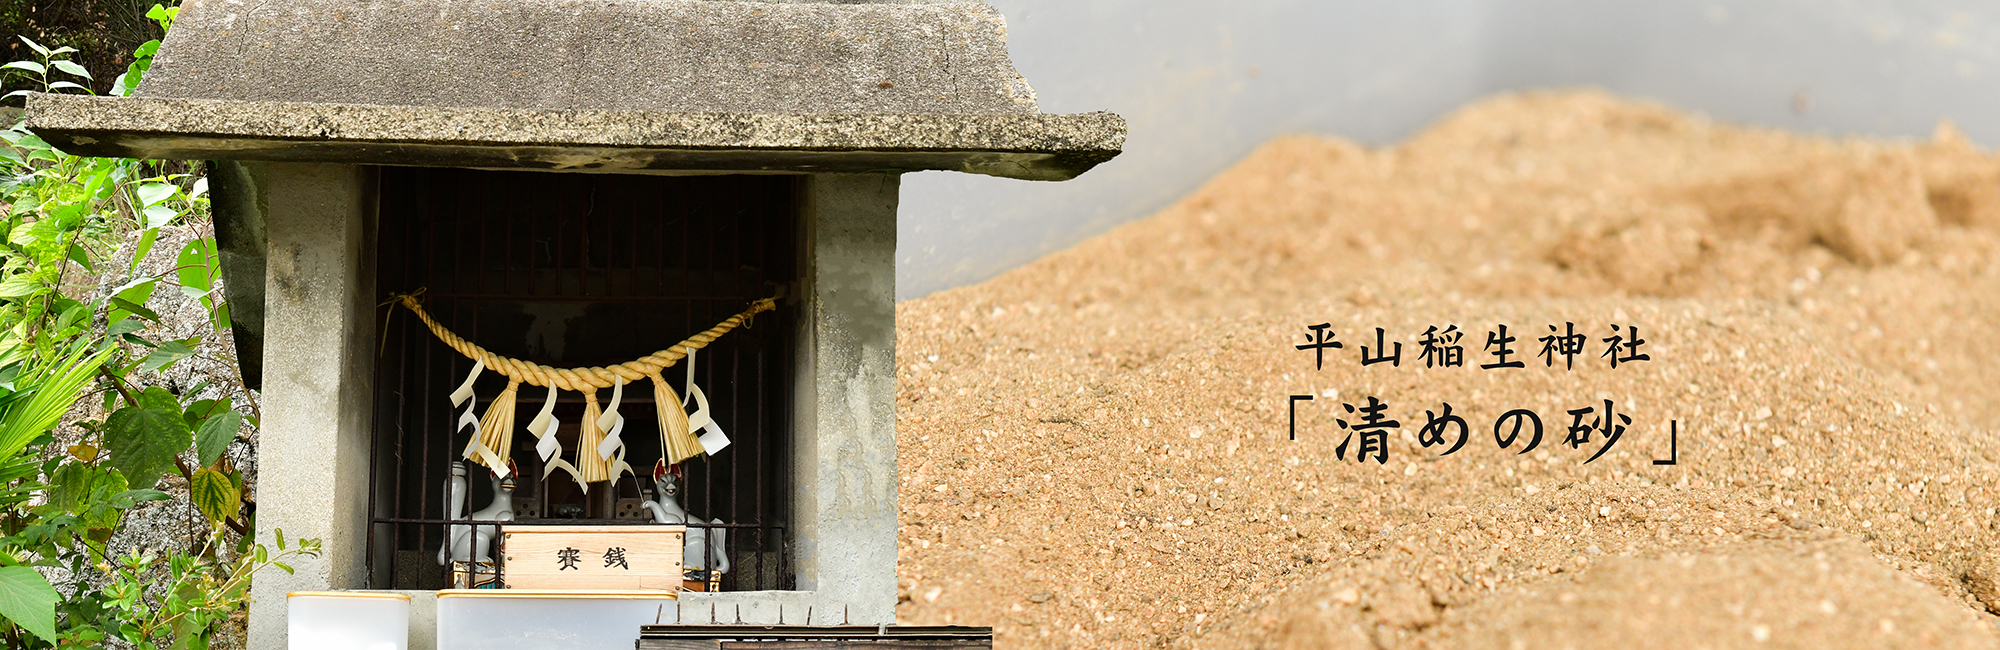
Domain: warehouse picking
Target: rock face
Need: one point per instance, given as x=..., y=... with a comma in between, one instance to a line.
x=157, y=526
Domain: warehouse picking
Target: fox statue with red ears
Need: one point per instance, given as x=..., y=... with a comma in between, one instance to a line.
x=706, y=550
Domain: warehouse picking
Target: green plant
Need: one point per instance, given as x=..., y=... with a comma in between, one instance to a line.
x=63, y=222
x=106, y=31
x=43, y=390
x=40, y=69
x=142, y=58
x=199, y=593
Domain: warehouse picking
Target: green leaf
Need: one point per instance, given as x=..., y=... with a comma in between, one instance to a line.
x=134, y=295
x=160, y=215
x=37, y=47
x=134, y=73
x=20, y=285
x=213, y=495
x=70, y=487
x=147, y=49
x=30, y=66
x=128, y=307
x=81, y=255
x=124, y=326
x=160, y=398
x=68, y=84
x=22, y=234
x=281, y=540
x=144, y=247
x=72, y=311
x=70, y=67
x=215, y=434
x=202, y=409
x=144, y=440
x=60, y=382
x=128, y=498
x=20, y=470
x=32, y=142
x=166, y=355
x=151, y=193
x=27, y=599
x=84, y=636
x=197, y=265
x=282, y=567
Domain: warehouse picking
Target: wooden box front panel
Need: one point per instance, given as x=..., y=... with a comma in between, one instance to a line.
x=593, y=557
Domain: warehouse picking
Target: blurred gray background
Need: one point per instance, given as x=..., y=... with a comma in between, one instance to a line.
x=1202, y=82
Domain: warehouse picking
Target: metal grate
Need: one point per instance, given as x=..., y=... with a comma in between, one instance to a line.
x=581, y=270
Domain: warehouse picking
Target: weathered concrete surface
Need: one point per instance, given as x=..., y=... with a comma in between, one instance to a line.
x=845, y=445
x=1028, y=146
x=320, y=335
x=650, y=55
x=423, y=618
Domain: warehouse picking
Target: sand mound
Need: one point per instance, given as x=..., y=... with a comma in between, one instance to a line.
x=1757, y=594
x=1094, y=447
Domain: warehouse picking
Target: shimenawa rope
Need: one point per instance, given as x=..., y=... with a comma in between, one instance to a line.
x=494, y=444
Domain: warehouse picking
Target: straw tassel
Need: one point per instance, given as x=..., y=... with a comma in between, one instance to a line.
x=495, y=441
x=674, y=432
x=591, y=468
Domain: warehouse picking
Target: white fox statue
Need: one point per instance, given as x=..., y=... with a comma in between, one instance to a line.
x=706, y=549
x=474, y=543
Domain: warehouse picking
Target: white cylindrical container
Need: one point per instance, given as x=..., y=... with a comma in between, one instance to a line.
x=347, y=620
x=523, y=619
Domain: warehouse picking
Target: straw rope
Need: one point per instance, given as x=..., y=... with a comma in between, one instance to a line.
x=582, y=379
x=493, y=444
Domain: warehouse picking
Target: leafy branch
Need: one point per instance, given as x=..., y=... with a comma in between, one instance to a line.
x=67, y=223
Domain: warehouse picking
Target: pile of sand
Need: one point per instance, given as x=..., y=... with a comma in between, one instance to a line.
x=1094, y=451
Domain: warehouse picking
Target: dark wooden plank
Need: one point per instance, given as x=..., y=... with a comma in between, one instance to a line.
x=787, y=632
x=680, y=644
x=853, y=644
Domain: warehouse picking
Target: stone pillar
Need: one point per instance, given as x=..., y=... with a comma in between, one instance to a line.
x=319, y=333
x=843, y=526
x=845, y=445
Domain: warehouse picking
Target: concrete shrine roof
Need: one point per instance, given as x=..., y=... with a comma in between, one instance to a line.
x=596, y=85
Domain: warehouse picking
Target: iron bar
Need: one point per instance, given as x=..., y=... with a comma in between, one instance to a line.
x=481, y=244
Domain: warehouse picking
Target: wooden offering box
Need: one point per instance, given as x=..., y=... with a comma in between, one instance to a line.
x=593, y=557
